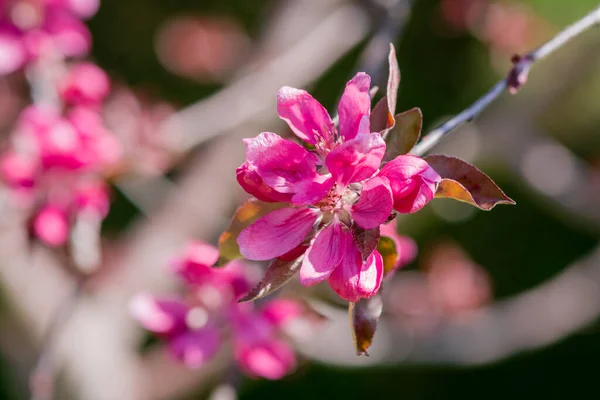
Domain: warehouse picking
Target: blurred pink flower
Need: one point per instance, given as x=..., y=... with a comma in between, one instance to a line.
x=336, y=189
x=57, y=164
x=195, y=325
x=84, y=84
x=51, y=226
x=33, y=29
x=137, y=121
x=202, y=48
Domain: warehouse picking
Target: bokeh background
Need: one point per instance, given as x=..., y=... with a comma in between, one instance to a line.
x=498, y=304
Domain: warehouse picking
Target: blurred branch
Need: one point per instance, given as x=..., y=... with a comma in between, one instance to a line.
x=516, y=77
x=41, y=383
x=303, y=59
x=389, y=19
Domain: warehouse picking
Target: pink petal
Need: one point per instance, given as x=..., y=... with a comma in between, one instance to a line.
x=375, y=203
x=162, y=316
x=353, y=279
x=253, y=184
x=356, y=159
x=13, y=54
x=18, y=170
x=85, y=83
x=325, y=254
x=84, y=8
x=92, y=196
x=280, y=163
x=194, y=265
x=51, y=226
x=413, y=182
x=276, y=233
x=70, y=35
x=195, y=348
x=280, y=311
x=270, y=360
x=311, y=191
x=307, y=118
x=234, y=276
x=354, y=105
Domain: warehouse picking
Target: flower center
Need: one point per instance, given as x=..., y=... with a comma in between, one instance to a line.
x=339, y=198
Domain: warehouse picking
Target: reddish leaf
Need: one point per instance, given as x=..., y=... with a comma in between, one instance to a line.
x=464, y=182
x=382, y=115
x=244, y=216
x=278, y=273
x=405, y=133
x=364, y=316
x=365, y=239
x=387, y=248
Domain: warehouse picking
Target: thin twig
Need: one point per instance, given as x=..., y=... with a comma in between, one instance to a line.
x=41, y=382
x=516, y=78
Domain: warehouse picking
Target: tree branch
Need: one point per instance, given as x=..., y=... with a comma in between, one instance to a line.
x=516, y=78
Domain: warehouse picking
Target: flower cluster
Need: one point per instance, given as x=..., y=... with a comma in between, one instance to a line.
x=60, y=149
x=34, y=29
x=55, y=166
x=196, y=324
x=337, y=189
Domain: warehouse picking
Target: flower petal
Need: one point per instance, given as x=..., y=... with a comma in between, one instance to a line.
x=307, y=118
x=281, y=311
x=162, y=316
x=195, y=348
x=354, y=105
x=413, y=182
x=310, y=192
x=276, y=233
x=51, y=226
x=253, y=184
x=375, y=203
x=324, y=254
x=271, y=360
x=281, y=164
x=353, y=279
x=194, y=265
x=356, y=159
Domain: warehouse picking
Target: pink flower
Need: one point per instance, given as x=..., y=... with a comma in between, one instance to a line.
x=334, y=191
x=51, y=226
x=58, y=163
x=413, y=182
x=18, y=170
x=172, y=319
x=30, y=30
x=84, y=84
x=196, y=325
x=258, y=351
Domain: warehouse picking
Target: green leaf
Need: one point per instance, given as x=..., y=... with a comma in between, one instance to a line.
x=382, y=115
x=464, y=182
x=364, y=316
x=365, y=239
x=244, y=216
x=387, y=248
x=405, y=133
x=278, y=273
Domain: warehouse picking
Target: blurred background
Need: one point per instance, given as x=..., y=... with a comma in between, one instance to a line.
x=501, y=303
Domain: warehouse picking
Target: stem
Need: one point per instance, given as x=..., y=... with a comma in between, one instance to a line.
x=515, y=79
x=41, y=384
